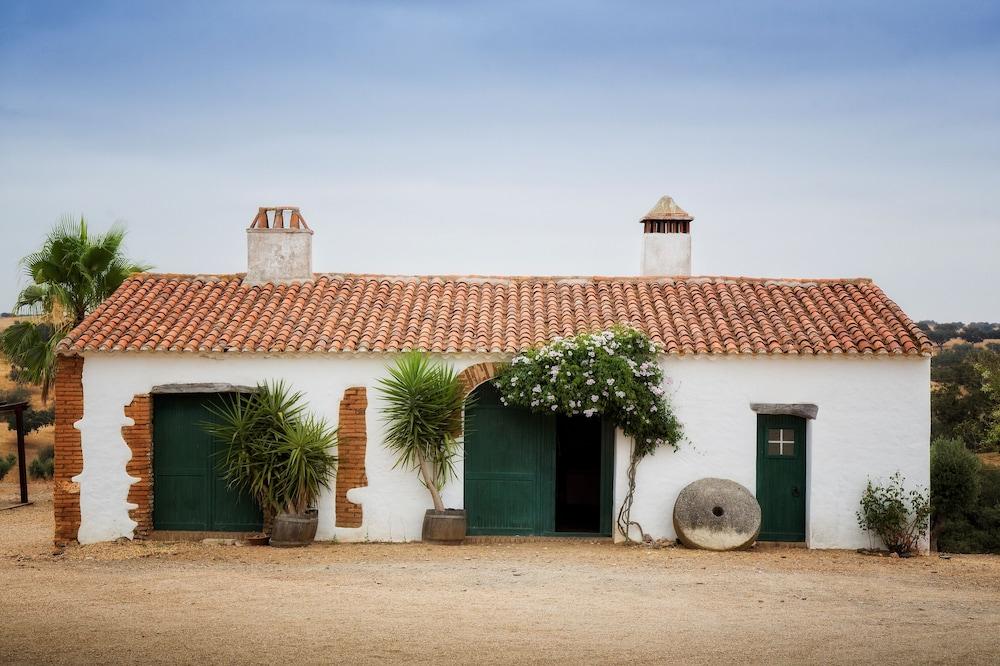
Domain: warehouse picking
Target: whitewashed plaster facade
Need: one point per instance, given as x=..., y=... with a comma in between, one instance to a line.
x=873, y=420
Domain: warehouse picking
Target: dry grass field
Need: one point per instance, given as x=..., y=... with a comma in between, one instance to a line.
x=564, y=602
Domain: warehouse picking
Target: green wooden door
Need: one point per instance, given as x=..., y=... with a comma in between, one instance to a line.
x=510, y=469
x=189, y=492
x=505, y=487
x=781, y=477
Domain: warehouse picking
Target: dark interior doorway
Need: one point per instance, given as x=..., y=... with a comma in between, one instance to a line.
x=578, y=474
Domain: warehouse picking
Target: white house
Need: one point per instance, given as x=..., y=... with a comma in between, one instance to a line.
x=798, y=389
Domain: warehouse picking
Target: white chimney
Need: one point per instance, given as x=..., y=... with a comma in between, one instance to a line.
x=278, y=253
x=666, y=240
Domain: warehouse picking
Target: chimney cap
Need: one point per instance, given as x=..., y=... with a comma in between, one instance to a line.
x=273, y=217
x=666, y=209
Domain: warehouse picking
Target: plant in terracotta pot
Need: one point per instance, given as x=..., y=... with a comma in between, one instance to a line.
x=280, y=454
x=423, y=414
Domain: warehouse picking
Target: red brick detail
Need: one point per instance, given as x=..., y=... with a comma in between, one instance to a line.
x=139, y=438
x=68, y=451
x=478, y=374
x=352, y=440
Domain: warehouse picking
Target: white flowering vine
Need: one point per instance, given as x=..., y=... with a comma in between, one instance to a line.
x=611, y=373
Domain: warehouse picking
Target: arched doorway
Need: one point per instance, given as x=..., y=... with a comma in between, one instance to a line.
x=535, y=474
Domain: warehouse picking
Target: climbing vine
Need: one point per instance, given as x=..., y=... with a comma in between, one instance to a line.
x=611, y=373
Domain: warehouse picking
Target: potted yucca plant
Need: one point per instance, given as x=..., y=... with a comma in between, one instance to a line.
x=423, y=413
x=280, y=454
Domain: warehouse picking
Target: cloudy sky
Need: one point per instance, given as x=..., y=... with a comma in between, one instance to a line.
x=808, y=139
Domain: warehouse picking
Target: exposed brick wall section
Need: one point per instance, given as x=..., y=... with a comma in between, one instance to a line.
x=68, y=452
x=477, y=374
x=139, y=438
x=352, y=440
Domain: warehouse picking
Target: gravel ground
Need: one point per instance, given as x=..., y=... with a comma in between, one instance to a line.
x=532, y=602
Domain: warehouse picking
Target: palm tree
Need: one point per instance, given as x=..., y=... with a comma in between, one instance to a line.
x=71, y=274
x=423, y=412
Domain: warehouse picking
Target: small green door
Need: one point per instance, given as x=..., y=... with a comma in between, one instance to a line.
x=781, y=477
x=189, y=491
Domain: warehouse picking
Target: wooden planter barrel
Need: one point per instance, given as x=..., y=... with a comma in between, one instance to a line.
x=444, y=527
x=292, y=530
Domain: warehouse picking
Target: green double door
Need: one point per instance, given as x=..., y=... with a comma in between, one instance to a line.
x=189, y=491
x=535, y=474
x=781, y=477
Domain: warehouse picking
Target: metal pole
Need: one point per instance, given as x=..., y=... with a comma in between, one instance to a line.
x=21, y=466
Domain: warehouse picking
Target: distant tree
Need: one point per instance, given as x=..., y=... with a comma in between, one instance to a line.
x=988, y=365
x=71, y=274
x=33, y=418
x=978, y=331
x=959, y=405
x=942, y=333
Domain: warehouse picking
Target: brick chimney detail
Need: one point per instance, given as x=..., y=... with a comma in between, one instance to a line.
x=279, y=247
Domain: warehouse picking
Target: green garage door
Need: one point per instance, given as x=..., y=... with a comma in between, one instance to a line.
x=189, y=492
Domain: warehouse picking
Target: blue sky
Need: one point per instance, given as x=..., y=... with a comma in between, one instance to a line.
x=808, y=139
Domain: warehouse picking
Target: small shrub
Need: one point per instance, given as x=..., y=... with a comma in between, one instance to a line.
x=898, y=517
x=6, y=464
x=43, y=466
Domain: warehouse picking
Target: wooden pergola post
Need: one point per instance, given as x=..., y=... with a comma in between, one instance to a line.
x=22, y=468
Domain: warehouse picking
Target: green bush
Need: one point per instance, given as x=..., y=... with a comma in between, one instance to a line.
x=954, y=478
x=898, y=517
x=6, y=464
x=977, y=529
x=43, y=466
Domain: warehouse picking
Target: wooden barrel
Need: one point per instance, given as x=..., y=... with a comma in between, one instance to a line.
x=292, y=530
x=444, y=527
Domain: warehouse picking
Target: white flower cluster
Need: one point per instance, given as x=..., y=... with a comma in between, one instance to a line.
x=592, y=374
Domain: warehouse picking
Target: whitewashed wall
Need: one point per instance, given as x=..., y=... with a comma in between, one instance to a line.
x=873, y=419
x=394, y=501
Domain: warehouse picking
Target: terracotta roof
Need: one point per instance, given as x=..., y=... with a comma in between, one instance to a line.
x=666, y=209
x=378, y=313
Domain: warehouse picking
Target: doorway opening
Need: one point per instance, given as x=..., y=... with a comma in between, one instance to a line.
x=539, y=474
x=578, y=474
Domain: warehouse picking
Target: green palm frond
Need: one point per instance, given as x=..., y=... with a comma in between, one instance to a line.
x=275, y=450
x=30, y=349
x=77, y=269
x=72, y=273
x=424, y=402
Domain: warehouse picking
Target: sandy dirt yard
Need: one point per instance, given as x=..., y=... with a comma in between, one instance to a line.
x=528, y=602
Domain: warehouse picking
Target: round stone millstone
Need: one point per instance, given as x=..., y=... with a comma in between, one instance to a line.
x=716, y=514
